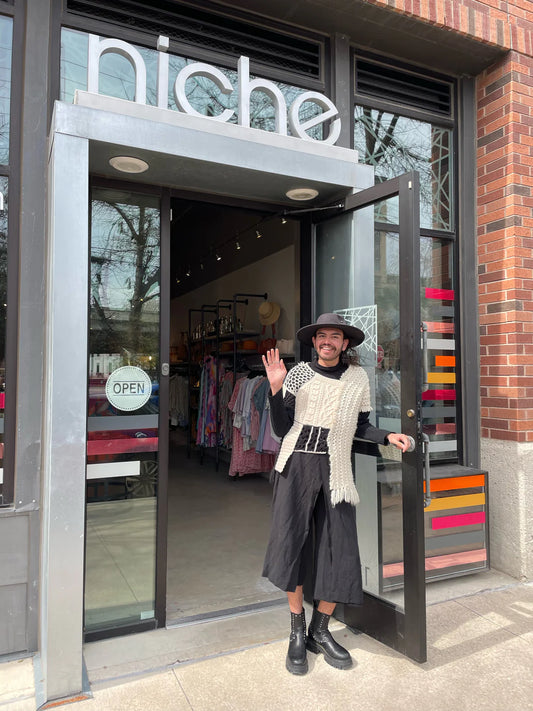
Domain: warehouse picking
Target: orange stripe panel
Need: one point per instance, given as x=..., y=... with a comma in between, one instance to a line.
x=441, y=378
x=457, y=482
x=445, y=361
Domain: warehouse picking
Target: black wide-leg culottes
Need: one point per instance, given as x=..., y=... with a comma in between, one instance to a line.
x=307, y=529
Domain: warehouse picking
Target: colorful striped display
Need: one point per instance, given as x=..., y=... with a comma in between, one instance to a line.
x=443, y=294
x=439, y=395
x=456, y=502
x=457, y=482
x=393, y=570
x=441, y=377
x=445, y=361
x=466, y=519
x=122, y=446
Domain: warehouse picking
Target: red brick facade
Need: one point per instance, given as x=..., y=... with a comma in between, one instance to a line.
x=505, y=204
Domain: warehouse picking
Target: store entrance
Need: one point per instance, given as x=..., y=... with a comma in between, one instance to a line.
x=234, y=285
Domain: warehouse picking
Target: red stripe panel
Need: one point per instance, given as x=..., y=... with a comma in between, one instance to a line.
x=439, y=327
x=438, y=395
x=467, y=519
x=440, y=561
x=446, y=294
x=2, y=401
x=122, y=446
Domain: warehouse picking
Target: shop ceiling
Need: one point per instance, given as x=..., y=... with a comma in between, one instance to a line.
x=382, y=30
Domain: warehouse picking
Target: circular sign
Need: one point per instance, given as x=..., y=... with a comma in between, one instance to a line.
x=380, y=354
x=128, y=388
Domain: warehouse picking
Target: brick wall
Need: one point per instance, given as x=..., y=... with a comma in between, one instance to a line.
x=505, y=204
x=505, y=247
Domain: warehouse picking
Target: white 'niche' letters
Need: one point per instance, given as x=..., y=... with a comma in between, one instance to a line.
x=246, y=86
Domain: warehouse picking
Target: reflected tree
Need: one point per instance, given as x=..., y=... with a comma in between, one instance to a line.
x=124, y=277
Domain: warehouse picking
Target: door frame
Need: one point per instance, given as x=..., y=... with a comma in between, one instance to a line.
x=403, y=630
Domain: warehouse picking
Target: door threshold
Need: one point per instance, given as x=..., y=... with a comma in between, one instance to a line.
x=225, y=613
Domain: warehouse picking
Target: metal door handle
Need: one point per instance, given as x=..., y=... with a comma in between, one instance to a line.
x=427, y=473
x=425, y=361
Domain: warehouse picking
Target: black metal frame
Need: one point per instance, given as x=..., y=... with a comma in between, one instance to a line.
x=12, y=173
x=404, y=630
x=159, y=619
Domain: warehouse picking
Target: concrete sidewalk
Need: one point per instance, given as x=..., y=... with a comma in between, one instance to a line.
x=480, y=657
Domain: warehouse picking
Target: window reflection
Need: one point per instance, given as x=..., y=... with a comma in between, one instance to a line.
x=122, y=445
x=394, y=145
x=6, y=30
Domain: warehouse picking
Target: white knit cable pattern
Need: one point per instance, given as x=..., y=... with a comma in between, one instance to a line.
x=355, y=399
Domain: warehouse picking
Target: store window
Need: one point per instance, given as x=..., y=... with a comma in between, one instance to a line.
x=394, y=137
x=6, y=45
x=123, y=409
x=117, y=79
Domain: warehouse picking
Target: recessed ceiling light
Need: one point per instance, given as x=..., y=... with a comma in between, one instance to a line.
x=128, y=164
x=302, y=193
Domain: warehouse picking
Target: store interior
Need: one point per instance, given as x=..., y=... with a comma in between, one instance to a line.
x=234, y=291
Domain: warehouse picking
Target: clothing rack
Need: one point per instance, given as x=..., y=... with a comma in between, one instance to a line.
x=216, y=339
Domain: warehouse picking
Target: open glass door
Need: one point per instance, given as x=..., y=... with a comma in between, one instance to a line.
x=367, y=267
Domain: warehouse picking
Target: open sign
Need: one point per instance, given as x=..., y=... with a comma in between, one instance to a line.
x=128, y=388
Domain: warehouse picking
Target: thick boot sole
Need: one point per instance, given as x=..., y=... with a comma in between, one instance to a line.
x=316, y=648
x=298, y=669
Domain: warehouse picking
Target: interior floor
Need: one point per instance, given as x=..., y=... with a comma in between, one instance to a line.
x=217, y=534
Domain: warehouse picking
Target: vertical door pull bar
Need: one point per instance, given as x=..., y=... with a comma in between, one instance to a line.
x=427, y=472
x=425, y=360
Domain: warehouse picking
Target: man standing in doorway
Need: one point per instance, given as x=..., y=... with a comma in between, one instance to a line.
x=318, y=408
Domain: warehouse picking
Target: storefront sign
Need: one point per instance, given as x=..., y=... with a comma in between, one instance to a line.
x=246, y=86
x=128, y=388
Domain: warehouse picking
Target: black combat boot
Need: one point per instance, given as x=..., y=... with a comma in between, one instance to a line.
x=319, y=639
x=296, y=661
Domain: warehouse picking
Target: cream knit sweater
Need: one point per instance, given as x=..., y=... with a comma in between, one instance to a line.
x=332, y=404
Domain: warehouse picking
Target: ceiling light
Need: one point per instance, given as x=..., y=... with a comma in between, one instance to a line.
x=188, y=272
x=237, y=245
x=202, y=267
x=178, y=281
x=218, y=257
x=283, y=220
x=302, y=193
x=258, y=234
x=128, y=164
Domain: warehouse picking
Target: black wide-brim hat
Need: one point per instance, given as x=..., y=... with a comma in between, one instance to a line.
x=354, y=335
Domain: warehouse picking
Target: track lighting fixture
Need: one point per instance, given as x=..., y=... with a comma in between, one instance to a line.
x=237, y=245
x=188, y=272
x=283, y=220
x=258, y=234
x=217, y=255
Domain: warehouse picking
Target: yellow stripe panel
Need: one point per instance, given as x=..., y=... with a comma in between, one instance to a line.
x=441, y=377
x=456, y=502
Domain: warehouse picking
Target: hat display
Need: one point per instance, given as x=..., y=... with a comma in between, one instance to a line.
x=353, y=334
x=269, y=313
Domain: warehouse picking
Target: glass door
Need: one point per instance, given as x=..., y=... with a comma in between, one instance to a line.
x=367, y=268
x=125, y=459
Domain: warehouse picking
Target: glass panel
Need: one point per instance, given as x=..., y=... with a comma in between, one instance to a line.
x=3, y=314
x=122, y=447
x=117, y=79
x=394, y=145
x=6, y=39
x=357, y=274
x=437, y=300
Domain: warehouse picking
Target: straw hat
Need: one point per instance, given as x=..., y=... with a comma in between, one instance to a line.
x=354, y=335
x=269, y=313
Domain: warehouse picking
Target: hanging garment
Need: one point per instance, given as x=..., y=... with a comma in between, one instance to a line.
x=245, y=461
x=178, y=401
